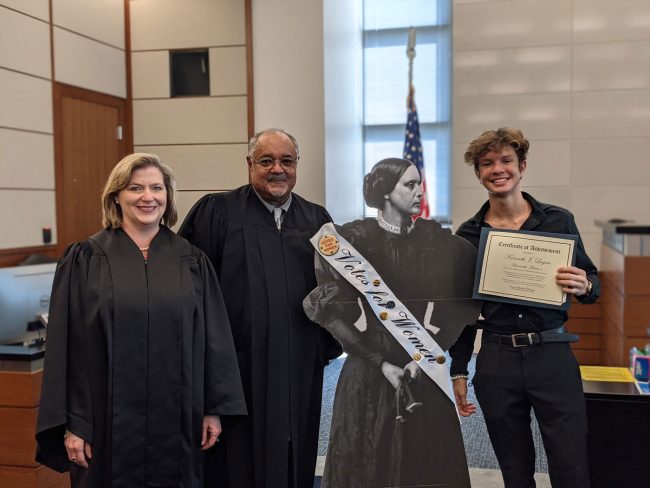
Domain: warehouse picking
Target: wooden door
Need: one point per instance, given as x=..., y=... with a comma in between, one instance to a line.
x=89, y=140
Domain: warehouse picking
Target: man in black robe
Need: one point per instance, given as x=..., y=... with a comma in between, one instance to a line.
x=257, y=238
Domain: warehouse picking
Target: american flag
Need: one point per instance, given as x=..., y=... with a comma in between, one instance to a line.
x=413, y=148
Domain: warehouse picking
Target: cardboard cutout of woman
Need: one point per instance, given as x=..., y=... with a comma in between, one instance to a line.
x=391, y=424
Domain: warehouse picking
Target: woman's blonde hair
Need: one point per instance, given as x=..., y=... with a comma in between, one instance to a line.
x=119, y=179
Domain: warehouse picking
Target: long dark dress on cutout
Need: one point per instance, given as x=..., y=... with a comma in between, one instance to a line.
x=137, y=353
x=368, y=448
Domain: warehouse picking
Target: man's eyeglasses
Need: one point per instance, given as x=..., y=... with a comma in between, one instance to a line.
x=286, y=163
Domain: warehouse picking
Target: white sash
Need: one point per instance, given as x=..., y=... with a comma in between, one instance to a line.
x=393, y=314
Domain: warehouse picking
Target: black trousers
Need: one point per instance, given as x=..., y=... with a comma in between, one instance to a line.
x=509, y=382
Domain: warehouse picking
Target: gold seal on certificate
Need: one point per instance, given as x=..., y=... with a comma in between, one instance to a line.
x=519, y=267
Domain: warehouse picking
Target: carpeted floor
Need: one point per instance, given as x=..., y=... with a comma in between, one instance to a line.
x=477, y=443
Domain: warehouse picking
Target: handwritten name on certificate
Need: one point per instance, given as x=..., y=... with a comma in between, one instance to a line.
x=520, y=266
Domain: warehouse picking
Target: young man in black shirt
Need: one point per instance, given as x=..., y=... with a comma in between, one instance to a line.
x=525, y=358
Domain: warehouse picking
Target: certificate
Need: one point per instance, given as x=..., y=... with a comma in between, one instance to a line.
x=517, y=266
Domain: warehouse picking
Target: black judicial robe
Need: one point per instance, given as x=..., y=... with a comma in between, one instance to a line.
x=266, y=274
x=137, y=353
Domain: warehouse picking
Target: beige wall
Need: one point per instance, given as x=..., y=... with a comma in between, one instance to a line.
x=343, y=95
x=202, y=138
x=26, y=141
x=574, y=75
x=88, y=51
x=89, y=45
x=289, y=87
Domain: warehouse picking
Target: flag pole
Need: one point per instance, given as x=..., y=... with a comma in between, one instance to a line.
x=410, y=54
x=412, y=141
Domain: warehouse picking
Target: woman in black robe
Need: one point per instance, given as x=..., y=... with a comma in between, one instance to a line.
x=426, y=267
x=140, y=362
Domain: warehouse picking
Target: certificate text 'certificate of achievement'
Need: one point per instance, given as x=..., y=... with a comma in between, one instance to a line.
x=517, y=266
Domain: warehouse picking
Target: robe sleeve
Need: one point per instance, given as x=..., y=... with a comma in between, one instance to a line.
x=334, y=305
x=65, y=391
x=223, y=388
x=205, y=226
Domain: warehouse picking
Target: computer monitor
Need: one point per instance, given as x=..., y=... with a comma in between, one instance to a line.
x=24, y=296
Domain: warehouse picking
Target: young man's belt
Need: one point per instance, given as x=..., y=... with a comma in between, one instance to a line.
x=524, y=339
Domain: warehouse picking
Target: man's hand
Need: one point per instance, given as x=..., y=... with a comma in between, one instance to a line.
x=572, y=280
x=465, y=408
x=211, y=431
x=79, y=451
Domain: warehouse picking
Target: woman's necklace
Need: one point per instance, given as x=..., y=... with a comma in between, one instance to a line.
x=143, y=249
x=393, y=228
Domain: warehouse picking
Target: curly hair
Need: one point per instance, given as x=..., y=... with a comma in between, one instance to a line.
x=119, y=180
x=494, y=140
x=382, y=179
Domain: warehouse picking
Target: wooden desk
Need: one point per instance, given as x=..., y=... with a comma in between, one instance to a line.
x=619, y=435
x=20, y=392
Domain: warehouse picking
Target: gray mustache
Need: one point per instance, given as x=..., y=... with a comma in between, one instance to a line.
x=277, y=178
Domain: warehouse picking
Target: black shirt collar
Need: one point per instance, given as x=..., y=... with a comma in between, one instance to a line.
x=535, y=217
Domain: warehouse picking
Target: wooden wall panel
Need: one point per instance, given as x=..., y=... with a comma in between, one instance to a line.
x=626, y=304
x=637, y=276
x=590, y=311
x=11, y=257
x=636, y=313
x=612, y=303
x=588, y=341
x=41, y=477
x=17, y=431
x=584, y=326
x=588, y=356
x=585, y=320
x=638, y=342
x=612, y=264
x=20, y=389
x=47, y=478
x=19, y=399
x=612, y=343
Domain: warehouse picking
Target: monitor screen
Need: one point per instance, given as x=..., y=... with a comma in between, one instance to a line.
x=24, y=295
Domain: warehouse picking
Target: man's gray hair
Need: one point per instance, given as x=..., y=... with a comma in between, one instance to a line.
x=252, y=144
